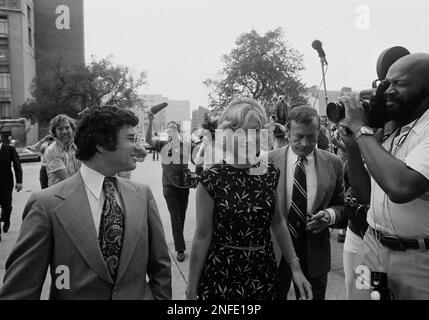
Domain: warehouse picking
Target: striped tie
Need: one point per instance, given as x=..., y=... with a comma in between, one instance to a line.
x=298, y=209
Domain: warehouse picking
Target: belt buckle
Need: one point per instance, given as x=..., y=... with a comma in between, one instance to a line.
x=422, y=244
x=393, y=242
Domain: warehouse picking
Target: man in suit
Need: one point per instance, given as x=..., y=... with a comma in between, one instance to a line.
x=8, y=156
x=310, y=195
x=101, y=235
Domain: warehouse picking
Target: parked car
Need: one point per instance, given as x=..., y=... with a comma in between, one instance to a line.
x=27, y=155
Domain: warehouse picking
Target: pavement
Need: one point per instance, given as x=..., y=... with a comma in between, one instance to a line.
x=149, y=172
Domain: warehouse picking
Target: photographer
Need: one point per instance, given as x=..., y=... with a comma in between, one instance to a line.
x=397, y=186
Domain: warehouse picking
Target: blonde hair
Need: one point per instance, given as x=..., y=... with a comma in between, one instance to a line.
x=240, y=111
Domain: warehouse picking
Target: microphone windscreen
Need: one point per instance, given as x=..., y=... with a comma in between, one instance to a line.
x=387, y=58
x=316, y=45
x=155, y=109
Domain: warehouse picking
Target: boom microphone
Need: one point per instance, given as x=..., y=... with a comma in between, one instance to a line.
x=155, y=109
x=317, y=45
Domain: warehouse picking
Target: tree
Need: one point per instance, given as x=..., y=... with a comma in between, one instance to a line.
x=69, y=90
x=261, y=67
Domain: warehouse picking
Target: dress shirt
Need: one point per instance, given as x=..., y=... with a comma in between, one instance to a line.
x=93, y=182
x=407, y=219
x=311, y=178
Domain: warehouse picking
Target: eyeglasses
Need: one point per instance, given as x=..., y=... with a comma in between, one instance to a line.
x=135, y=139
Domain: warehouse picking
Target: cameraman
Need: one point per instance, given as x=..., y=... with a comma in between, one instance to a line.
x=397, y=187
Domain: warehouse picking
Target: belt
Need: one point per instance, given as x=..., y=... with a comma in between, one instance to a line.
x=401, y=244
x=242, y=248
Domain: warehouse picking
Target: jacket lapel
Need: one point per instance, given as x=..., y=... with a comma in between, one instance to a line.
x=75, y=216
x=324, y=177
x=281, y=189
x=134, y=204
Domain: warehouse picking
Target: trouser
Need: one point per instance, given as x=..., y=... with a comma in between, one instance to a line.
x=177, y=203
x=43, y=177
x=5, y=204
x=318, y=284
x=155, y=153
x=407, y=271
x=352, y=245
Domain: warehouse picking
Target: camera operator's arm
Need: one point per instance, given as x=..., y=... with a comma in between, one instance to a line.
x=358, y=175
x=148, y=136
x=401, y=183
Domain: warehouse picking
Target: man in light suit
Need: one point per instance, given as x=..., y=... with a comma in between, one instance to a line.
x=310, y=195
x=101, y=235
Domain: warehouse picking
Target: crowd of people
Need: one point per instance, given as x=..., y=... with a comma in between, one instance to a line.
x=262, y=222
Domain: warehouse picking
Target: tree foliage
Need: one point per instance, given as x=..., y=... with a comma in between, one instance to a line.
x=261, y=67
x=69, y=90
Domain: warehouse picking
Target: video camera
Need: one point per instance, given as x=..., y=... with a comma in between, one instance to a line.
x=373, y=100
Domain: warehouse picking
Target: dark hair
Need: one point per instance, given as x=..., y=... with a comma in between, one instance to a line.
x=99, y=127
x=175, y=123
x=55, y=122
x=302, y=114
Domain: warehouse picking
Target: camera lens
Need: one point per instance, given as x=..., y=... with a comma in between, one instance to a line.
x=335, y=112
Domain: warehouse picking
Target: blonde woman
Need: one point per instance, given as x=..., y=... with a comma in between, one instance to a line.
x=232, y=256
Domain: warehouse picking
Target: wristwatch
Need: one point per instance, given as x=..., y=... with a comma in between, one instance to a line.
x=364, y=131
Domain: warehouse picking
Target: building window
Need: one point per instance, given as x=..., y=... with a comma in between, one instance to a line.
x=4, y=68
x=5, y=110
x=2, y=3
x=4, y=30
x=4, y=82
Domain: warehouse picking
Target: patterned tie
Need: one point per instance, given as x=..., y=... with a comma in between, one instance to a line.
x=112, y=225
x=298, y=209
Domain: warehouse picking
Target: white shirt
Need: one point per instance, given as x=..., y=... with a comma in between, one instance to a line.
x=410, y=219
x=93, y=182
x=311, y=179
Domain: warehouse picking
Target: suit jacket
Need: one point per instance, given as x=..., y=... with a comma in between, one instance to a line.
x=8, y=156
x=330, y=194
x=58, y=230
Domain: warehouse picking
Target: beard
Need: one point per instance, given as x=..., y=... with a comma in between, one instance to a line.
x=404, y=108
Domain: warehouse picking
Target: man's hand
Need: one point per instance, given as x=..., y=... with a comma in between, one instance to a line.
x=319, y=222
x=18, y=187
x=355, y=114
x=346, y=134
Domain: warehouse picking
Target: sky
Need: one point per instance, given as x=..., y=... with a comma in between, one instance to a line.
x=179, y=43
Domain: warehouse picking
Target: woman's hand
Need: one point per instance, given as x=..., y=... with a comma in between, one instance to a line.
x=304, y=287
x=301, y=282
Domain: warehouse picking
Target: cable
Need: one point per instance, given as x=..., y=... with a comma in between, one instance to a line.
x=325, y=71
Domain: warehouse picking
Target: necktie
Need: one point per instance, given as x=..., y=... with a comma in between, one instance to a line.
x=112, y=225
x=298, y=209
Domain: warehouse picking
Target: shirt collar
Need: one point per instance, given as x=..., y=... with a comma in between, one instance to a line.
x=423, y=121
x=92, y=179
x=294, y=157
x=62, y=146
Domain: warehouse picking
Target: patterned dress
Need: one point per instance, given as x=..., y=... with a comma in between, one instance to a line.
x=244, y=207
